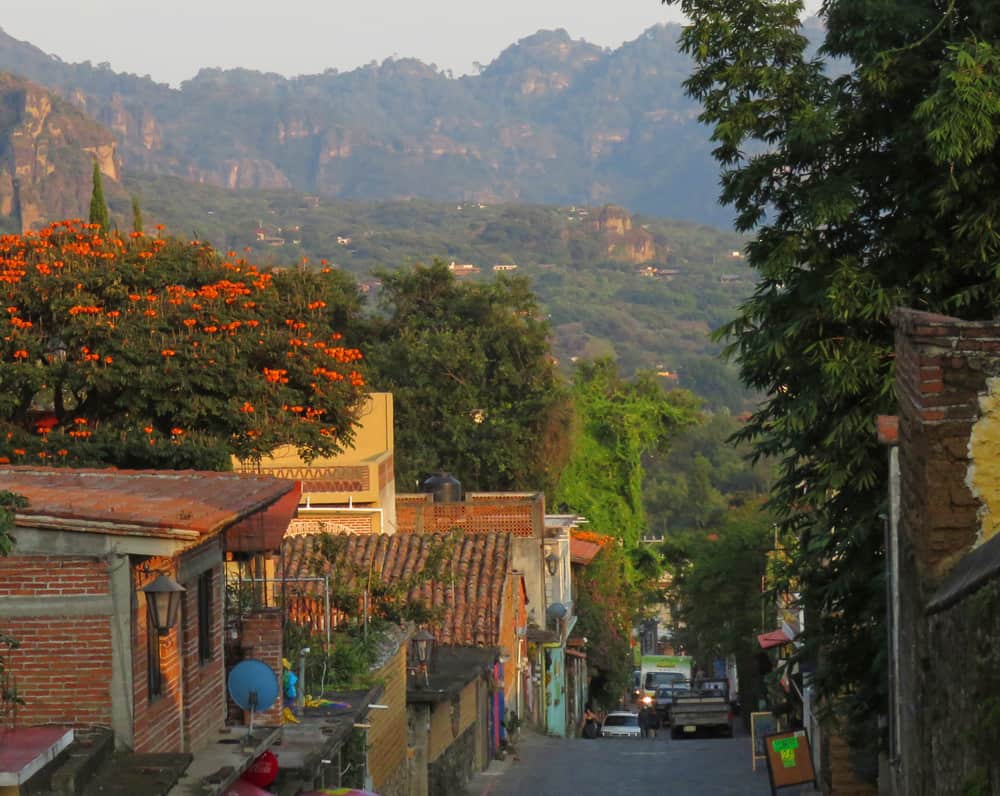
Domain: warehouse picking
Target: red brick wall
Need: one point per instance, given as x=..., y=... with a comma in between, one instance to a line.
x=62, y=668
x=157, y=723
x=204, y=686
x=261, y=639
x=52, y=576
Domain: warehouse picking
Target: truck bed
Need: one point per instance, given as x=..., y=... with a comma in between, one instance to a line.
x=692, y=713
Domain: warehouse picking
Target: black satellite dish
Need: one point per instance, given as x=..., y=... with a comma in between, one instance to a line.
x=253, y=685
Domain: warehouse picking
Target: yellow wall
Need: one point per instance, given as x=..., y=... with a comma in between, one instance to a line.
x=387, y=733
x=373, y=436
x=362, y=474
x=441, y=735
x=983, y=475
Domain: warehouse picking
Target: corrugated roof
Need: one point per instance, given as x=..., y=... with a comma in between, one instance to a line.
x=466, y=591
x=185, y=503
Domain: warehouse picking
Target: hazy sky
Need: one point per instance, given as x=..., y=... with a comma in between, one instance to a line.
x=171, y=39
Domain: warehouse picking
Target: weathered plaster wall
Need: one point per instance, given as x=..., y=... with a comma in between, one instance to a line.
x=387, y=736
x=984, y=469
x=450, y=719
x=450, y=772
x=948, y=658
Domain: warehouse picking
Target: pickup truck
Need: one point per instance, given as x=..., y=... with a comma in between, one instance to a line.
x=665, y=695
x=705, y=707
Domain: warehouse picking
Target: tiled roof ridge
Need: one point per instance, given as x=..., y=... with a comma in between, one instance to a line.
x=469, y=586
x=127, y=473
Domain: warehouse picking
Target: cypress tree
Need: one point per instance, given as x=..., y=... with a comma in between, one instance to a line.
x=136, y=215
x=98, y=206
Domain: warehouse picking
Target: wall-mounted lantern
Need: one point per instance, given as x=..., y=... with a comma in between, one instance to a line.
x=421, y=647
x=163, y=601
x=552, y=562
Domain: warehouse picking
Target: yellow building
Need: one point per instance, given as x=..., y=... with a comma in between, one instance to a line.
x=352, y=492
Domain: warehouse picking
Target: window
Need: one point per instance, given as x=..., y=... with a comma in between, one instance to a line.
x=153, y=670
x=205, y=616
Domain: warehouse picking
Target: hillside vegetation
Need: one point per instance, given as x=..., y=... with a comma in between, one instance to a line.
x=644, y=290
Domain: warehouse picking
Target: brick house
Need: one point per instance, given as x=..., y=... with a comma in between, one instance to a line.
x=70, y=592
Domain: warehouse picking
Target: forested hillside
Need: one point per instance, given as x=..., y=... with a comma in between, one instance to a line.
x=644, y=290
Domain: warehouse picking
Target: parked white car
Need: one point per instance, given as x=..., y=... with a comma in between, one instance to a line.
x=621, y=724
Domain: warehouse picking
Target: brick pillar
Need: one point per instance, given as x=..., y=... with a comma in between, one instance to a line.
x=262, y=639
x=942, y=368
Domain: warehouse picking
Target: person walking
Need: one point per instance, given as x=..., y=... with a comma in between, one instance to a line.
x=644, y=721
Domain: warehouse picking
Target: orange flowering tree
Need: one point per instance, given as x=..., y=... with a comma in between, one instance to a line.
x=148, y=351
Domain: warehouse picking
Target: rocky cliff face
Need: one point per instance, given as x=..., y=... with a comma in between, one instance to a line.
x=551, y=120
x=623, y=241
x=47, y=150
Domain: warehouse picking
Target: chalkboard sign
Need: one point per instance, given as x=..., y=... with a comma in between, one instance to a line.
x=789, y=760
x=761, y=724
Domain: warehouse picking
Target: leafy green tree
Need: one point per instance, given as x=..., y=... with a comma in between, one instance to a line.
x=154, y=352
x=715, y=589
x=693, y=483
x=9, y=504
x=98, y=205
x=606, y=602
x=136, y=215
x=618, y=423
x=475, y=389
x=864, y=183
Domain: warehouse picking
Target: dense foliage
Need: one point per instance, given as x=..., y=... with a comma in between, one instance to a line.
x=606, y=601
x=867, y=189
x=694, y=483
x=146, y=351
x=598, y=300
x=715, y=590
x=474, y=386
x=618, y=422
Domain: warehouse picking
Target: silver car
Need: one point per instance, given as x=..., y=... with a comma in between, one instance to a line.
x=621, y=724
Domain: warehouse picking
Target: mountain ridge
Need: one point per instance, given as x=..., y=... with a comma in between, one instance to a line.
x=550, y=120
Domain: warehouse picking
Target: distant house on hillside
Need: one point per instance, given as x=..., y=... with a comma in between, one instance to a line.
x=652, y=272
x=463, y=269
x=270, y=239
x=505, y=267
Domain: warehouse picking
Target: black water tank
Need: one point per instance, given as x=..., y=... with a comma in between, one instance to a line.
x=444, y=486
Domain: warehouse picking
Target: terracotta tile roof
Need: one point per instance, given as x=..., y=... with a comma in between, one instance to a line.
x=179, y=503
x=467, y=593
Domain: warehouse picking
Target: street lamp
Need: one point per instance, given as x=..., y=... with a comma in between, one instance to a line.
x=421, y=646
x=552, y=563
x=163, y=600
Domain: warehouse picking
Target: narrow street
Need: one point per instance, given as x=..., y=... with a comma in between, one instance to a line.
x=576, y=767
